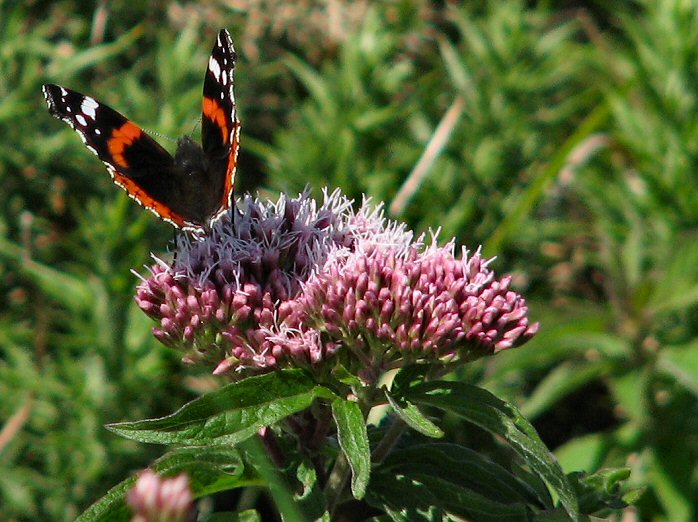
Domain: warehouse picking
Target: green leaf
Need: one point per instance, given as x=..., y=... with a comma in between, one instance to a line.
x=210, y=469
x=677, y=289
x=404, y=499
x=429, y=497
x=463, y=501
x=629, y=390
x=410, y=375
x=460, y=77
x=681, y=363
x=464, y=468
x=584, y=452
x=600, y=493
x=257, y=457
x=311, y=499
x=669, y=473
x=483, y=409
x=414, y=418
x=353, y=439
x=344, y=376
x=231, y=414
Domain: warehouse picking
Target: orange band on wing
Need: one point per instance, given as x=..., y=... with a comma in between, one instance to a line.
x=213, y=111
x=142, y=197
x=230, y=172
x=120, y=139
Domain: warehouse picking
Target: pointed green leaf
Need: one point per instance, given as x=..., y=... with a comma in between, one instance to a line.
x=681, y=363
x=483, y=409
x=257, y=458
x=600, y=491
x=232, y=413
x=464, y=468
x=353, y=439
x=414, y=418
x=404, y=499
x=429, y=497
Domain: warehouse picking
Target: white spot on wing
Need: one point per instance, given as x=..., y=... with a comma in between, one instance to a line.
x=89, y=107
x=215, y=68
x=81, y=120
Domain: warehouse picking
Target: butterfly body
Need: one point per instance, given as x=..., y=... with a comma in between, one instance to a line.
x=194, y=187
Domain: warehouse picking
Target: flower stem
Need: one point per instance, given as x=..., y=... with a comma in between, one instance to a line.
x=336, y=483
x=391, y=437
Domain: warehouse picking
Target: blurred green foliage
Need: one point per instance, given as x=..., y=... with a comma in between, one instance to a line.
x=563, y=139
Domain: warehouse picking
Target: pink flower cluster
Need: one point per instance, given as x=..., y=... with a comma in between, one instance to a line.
x=157, y=499
x=292, y=283
x=424, y=305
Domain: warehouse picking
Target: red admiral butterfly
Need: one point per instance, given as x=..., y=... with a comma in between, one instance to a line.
x=191, y=189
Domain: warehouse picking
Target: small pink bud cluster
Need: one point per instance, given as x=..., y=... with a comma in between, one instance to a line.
x=416, y=306
x=294, y=284
x=157, y=499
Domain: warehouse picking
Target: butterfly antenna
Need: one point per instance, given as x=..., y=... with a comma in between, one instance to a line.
x=161, y=136
x=197, y=125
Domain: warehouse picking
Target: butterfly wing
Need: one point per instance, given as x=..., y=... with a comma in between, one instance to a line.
x=135, y=161
x=220, y=128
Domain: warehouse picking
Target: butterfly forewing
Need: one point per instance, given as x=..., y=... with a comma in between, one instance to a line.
x=136, y=162
x=220, y=128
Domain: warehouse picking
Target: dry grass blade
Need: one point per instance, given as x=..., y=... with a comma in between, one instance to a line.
x=431, y=152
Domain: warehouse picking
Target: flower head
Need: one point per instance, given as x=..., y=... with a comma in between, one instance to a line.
x=157, y=499
x=292, y=283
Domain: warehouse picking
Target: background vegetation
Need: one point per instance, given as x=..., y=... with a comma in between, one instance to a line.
x=561, y=136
